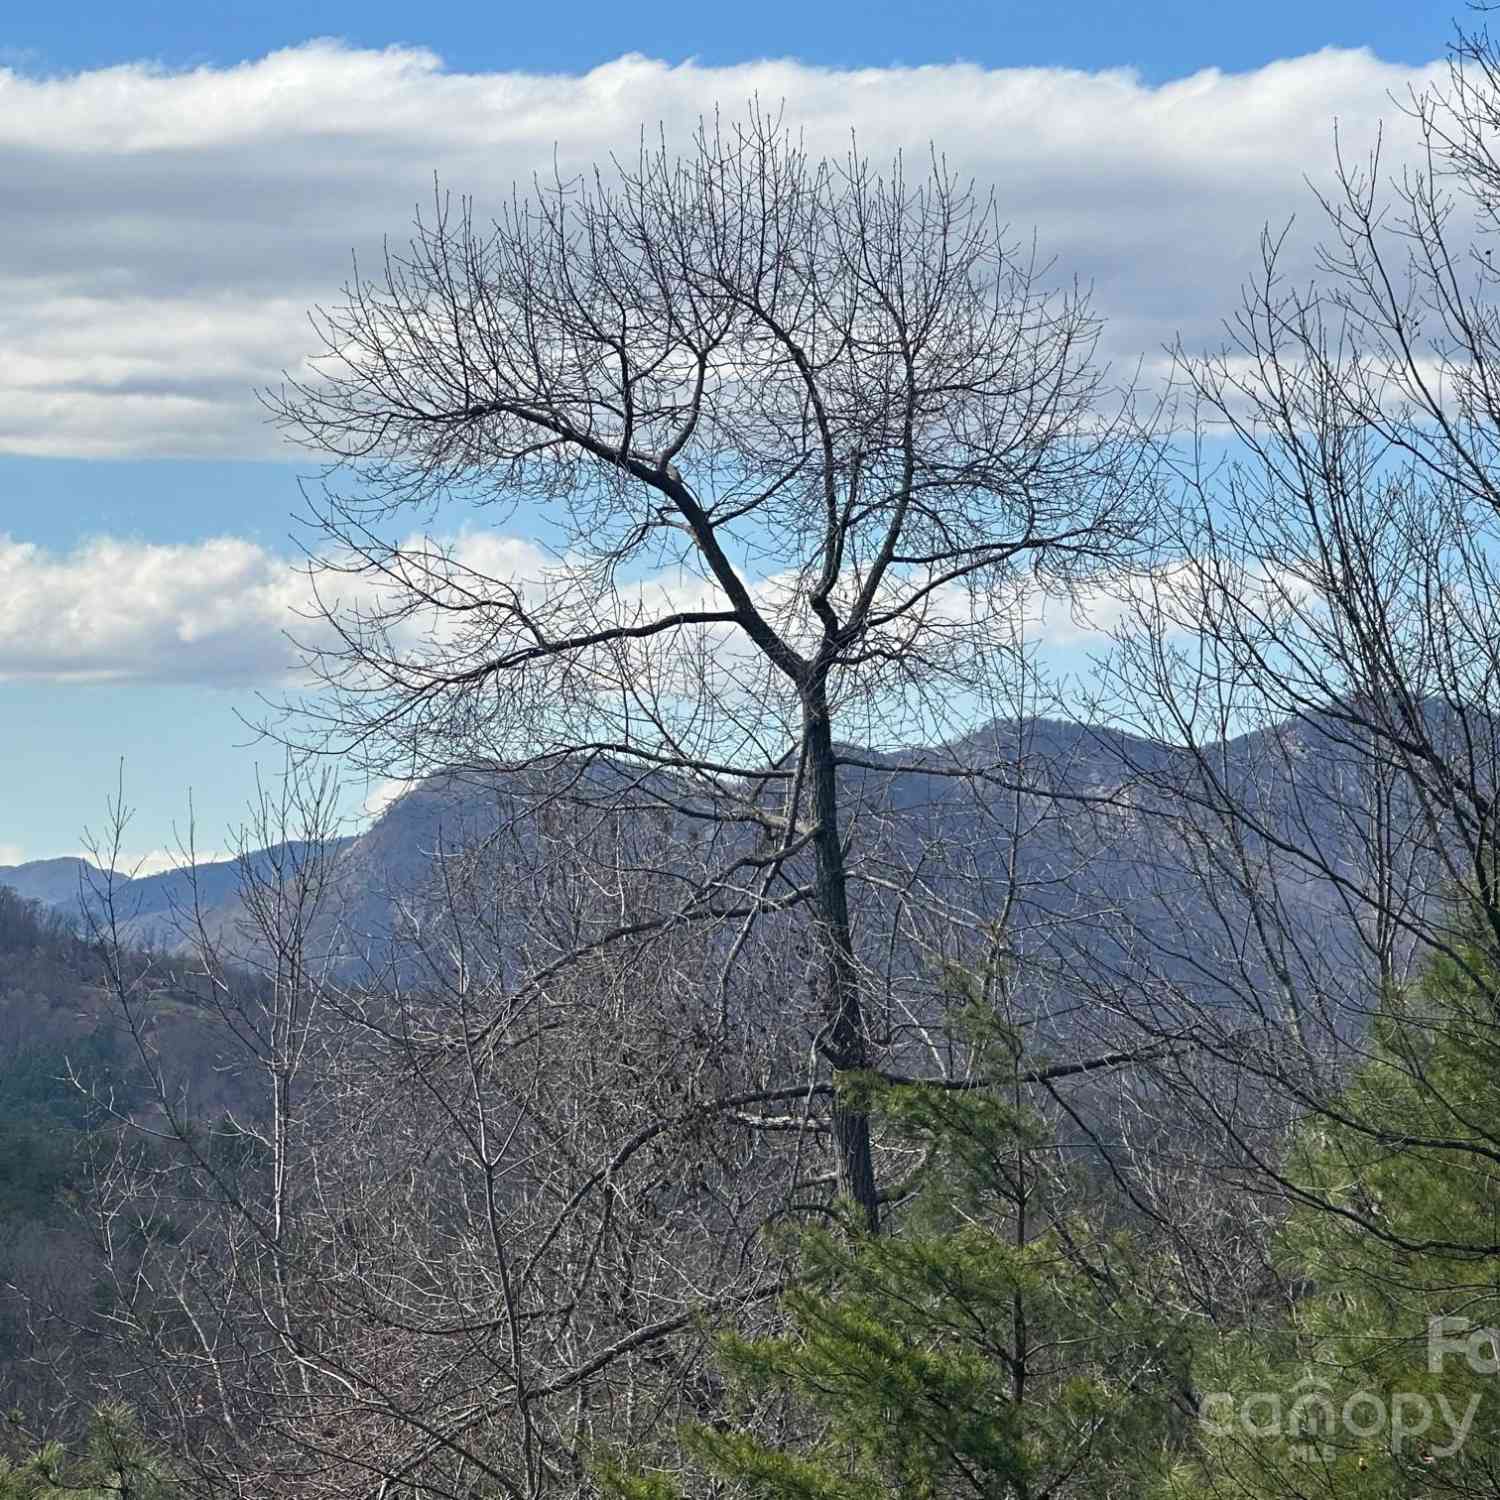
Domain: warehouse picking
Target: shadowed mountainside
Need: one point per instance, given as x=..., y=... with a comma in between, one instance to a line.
x=1076, y=831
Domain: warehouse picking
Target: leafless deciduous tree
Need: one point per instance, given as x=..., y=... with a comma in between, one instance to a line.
x=794, y=430
x=1325, y=655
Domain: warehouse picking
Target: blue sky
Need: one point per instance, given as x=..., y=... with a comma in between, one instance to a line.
x=1162, y=38
x=182, y=181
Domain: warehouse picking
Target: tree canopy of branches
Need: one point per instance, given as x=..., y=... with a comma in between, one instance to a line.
x=794, y=430
x=1324, y=659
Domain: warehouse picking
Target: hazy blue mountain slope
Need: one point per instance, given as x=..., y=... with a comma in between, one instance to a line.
x=55, y=882
x=1066, y=834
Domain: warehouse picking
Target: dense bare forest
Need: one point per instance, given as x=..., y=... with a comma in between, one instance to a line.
x=783, y=1044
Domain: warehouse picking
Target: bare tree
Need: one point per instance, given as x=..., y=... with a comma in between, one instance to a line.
x=1323, y=659
x=799, y=437
x=402, y=1265
x=794, y=430
x=471, y=1215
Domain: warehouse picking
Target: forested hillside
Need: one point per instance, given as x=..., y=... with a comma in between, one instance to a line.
x=58, y=1040
x=72, y=1076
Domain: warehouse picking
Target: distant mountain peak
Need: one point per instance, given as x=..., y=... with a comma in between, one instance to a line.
x=54, y=882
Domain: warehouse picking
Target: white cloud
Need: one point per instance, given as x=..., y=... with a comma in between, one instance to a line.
x=224, y=612
x=213, y=611
x=220, y=612
x=134, y=865
x=138, y=865
x=382, y=794
x=165, y=231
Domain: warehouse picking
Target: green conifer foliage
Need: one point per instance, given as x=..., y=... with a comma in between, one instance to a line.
x=1384, y=1380
x=114, y=1463
x=997, y=1343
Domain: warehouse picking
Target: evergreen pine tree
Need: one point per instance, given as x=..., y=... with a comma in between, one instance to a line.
x=998, y=1343
x=1383, y=1380
x=114, y=1463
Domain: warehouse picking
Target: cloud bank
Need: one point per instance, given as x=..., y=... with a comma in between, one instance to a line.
x=165, y=231
x=212, y=612
x=225, y=612
x=229, y=613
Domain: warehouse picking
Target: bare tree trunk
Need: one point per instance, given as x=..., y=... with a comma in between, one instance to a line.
x=844, y=1032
